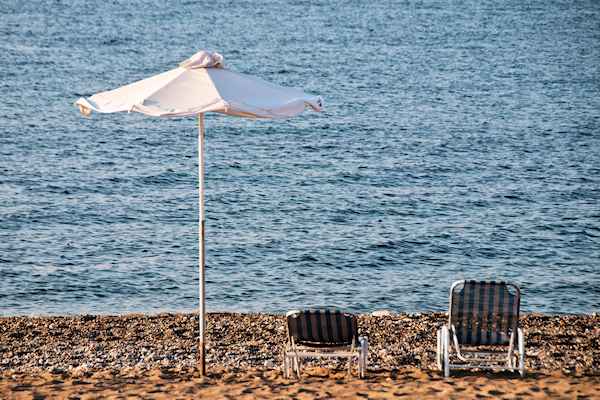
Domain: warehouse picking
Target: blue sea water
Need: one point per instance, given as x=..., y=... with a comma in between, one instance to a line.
x=460, y=140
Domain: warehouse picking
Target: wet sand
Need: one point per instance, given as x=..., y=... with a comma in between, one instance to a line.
x=155, y=357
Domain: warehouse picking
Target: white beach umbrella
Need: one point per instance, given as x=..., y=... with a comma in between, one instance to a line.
x=199, y=85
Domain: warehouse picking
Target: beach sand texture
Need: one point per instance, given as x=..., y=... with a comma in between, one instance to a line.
x=154, y=357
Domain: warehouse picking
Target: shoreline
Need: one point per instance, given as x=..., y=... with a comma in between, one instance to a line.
x=136, y=350
x=374, y=313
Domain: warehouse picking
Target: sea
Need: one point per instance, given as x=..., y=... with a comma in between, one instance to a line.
x=459, y=140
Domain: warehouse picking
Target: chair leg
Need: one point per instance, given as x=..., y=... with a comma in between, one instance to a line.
x=521, y=340
x=289, y=366
x=361, y=366
x=510, y=360
x=285, y=365
x=438, y=354
x=350, y=366
x=445, y=347
x=363, y=355
x=297, y=366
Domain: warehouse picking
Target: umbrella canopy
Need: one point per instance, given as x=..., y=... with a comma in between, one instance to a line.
x=199, y=85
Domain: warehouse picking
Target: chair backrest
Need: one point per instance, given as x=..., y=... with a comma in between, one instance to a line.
x=484, y=312
x=322, y=328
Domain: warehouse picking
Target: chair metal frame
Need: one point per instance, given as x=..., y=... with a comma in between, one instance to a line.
x=469, y=357
x=294, y=353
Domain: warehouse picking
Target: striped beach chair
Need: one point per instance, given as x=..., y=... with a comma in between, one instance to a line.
x=323, y=333
x=483, y=328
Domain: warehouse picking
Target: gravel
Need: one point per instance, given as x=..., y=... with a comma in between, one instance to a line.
x=80, y=345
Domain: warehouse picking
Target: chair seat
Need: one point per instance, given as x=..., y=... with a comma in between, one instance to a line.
x=317, y=354
x=323, y=349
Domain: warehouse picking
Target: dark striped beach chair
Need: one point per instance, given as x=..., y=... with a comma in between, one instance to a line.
x=323, y=333
x=483, y=330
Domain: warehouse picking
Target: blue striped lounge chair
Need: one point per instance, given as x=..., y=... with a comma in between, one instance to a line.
x=323, y=333
x=483, y=328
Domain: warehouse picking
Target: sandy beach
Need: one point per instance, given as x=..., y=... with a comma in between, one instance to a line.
x=154, y=357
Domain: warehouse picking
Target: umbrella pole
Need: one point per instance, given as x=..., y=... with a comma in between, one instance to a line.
x=201, y=252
